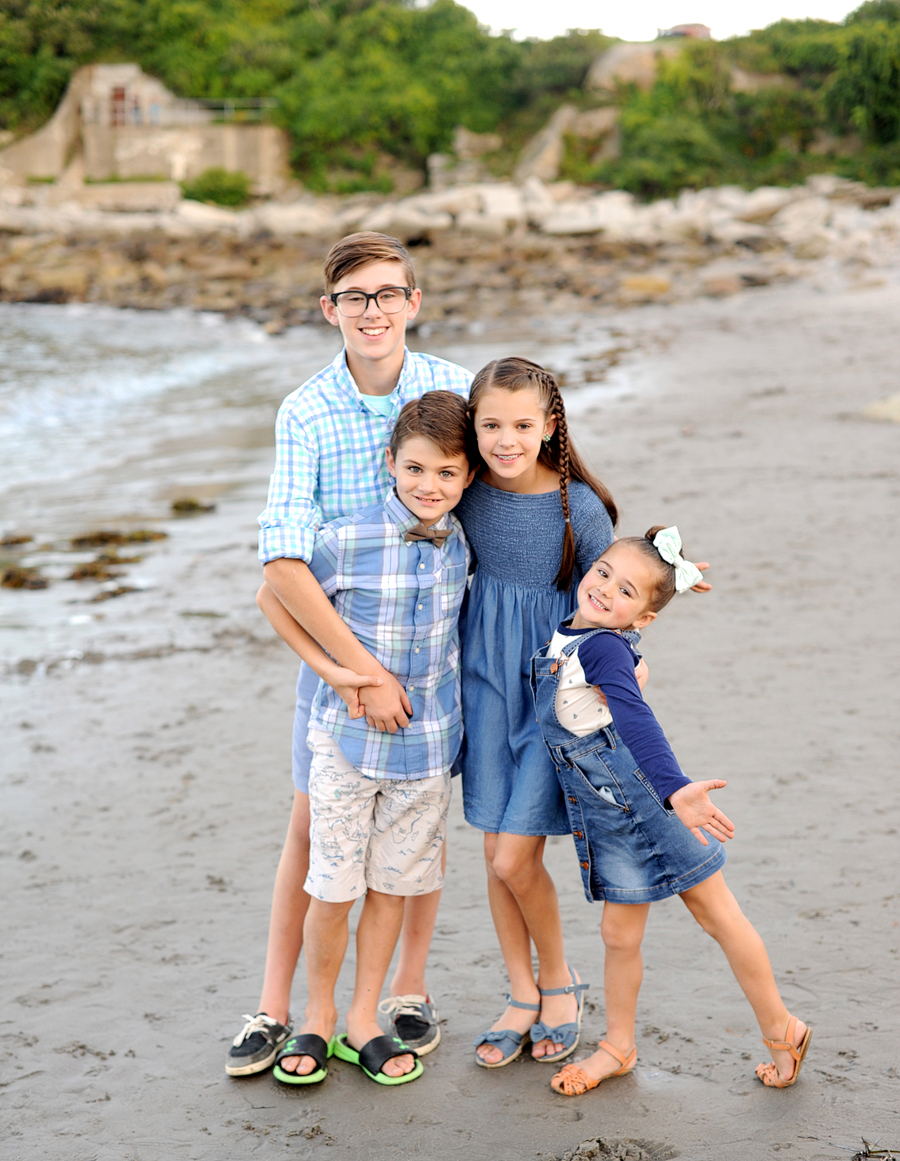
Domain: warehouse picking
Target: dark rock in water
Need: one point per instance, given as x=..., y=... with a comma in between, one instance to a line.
x=22, y=578
x=111, y=594
x=97, y=539
x=624, y=1149
x=95, y=570
x=188, y=506
x=12, y=541
x=101, y=538
x=114, y=558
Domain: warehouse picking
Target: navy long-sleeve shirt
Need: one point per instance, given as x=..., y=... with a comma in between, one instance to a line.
x=608, y=661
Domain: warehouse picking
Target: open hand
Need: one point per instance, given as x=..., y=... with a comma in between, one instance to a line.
x=695, y=808
x=701, y=586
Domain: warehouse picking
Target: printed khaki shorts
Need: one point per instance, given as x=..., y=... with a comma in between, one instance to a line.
x=381, y=833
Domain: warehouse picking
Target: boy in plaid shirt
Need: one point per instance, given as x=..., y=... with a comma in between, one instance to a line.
x=378, y=800
x=330, y=437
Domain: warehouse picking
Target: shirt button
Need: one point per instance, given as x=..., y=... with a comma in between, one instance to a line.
x=411, y=688
x=418, y=606
x=421, y=566
x=417, y=649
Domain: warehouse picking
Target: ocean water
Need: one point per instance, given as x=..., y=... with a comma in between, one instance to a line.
x=108, y=415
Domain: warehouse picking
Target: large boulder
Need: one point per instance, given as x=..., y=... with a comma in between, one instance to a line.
x=301, y=218
x=765, y=201
x=803, y=225
x=630, y=63
x=203, y=217
x=611, y=214
x=406, y=219
x=543, y=155
x=469, y=146
x=130, y=197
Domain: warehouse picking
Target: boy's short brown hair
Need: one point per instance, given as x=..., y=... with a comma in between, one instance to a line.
x=362, y=249
x=443, y=419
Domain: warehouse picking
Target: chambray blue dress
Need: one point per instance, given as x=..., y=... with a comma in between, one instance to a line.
x=509, y=783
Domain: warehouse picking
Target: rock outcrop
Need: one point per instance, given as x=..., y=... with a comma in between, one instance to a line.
x=482, y=248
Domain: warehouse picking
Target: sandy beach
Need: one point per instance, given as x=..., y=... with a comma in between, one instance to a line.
x=146, y=785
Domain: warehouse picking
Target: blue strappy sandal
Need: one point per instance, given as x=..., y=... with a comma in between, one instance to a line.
x=564, y=1034
x=509, y=1042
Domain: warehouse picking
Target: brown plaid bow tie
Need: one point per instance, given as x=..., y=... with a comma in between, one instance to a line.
x=420, y=532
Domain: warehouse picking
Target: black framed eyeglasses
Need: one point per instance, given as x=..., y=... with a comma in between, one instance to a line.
x=353, y=303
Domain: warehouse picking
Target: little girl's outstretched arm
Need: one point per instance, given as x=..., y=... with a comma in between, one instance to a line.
x=694, y=807
x=344, y=682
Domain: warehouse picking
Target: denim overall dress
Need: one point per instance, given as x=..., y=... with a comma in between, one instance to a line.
x=630, y=847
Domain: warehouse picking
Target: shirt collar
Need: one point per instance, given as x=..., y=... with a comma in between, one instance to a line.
x=348, y=384
x=405, y=520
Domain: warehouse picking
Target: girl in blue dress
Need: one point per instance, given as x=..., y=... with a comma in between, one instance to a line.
x=536, y=519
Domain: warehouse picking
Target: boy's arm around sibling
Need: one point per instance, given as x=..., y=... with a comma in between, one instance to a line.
x=288, y=530
x=343, y=681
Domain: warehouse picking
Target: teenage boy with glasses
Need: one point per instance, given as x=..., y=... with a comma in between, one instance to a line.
x=330, y=436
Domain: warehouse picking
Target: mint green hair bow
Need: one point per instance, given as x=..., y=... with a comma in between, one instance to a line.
x=667, y=543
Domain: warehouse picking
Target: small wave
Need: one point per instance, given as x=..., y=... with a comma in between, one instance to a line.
x=83, y=384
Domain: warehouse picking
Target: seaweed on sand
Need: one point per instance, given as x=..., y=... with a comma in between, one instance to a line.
x=103, y=567
x=14, y=577
x=188, y=506
x=98, y=569
x=625, y=1149
x=13, y=541
x=111, y=594
x=101, y=538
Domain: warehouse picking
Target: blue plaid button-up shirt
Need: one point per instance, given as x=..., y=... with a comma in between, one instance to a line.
x=329, y=450
x=402, y=602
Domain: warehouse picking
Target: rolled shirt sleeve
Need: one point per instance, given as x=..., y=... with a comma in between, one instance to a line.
x=291, y=518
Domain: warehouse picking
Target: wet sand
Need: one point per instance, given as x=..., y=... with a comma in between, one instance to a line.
x=146, y=794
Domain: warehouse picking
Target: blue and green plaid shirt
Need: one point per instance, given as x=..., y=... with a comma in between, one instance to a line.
x=401, y=601
x=329, y=450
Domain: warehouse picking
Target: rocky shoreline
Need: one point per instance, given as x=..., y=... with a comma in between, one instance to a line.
x=482, y=249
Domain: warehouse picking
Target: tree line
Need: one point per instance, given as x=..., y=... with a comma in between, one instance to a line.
x=361, y=83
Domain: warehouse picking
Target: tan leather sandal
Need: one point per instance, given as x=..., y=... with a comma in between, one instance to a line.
x=574, y=1081
x=768, y=1073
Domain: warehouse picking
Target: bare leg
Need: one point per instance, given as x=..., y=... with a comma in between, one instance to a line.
x=524, y=904
x=326, y=944
x=716, y=910
x=515, y=944
x=419, y=918
x=622, y=928
x=376, y=938
x=289, y=904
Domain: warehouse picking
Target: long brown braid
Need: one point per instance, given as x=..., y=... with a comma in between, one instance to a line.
x=557, y=453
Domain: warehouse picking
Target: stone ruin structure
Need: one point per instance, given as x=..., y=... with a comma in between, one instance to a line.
x=121, y=124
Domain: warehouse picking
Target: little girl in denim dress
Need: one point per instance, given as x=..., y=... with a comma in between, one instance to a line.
x=640, y=826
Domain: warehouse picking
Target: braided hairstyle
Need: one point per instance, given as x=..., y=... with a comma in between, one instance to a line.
x=557, y=454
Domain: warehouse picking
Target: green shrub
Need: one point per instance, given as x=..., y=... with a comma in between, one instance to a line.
x=664, y=155
x=222, y=186
x=392, y=78
x=865, y=90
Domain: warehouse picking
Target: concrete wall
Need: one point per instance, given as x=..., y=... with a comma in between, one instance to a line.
x=47, y=152
x=181, y=154
x=178, y=152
